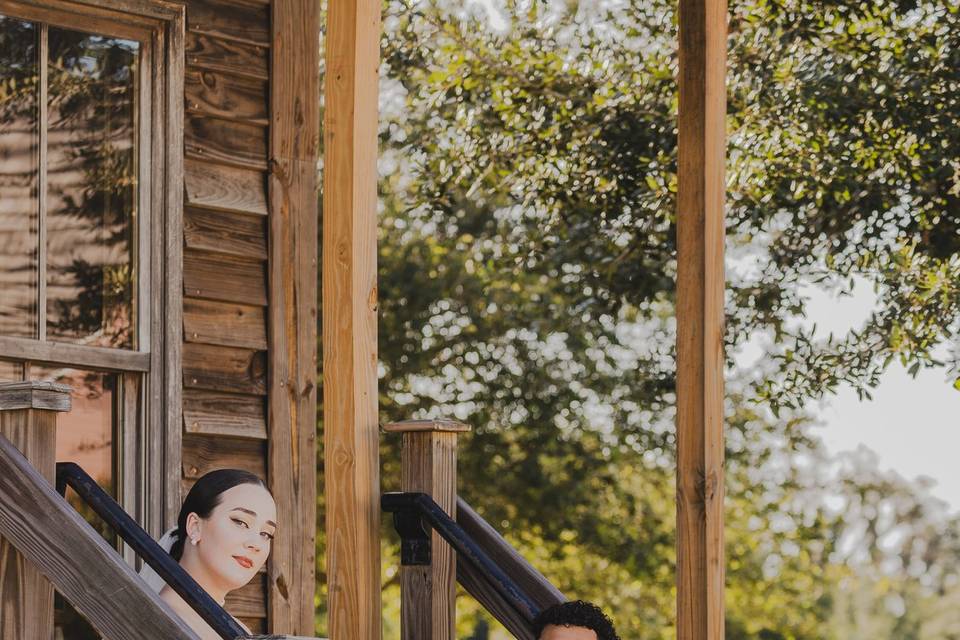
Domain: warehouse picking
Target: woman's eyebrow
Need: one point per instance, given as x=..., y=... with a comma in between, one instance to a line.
x=254, y=514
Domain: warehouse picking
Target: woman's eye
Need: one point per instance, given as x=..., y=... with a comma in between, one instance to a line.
x=240, y=523
x=268, y=536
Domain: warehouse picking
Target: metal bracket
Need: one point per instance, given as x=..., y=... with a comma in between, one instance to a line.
x=414, y=538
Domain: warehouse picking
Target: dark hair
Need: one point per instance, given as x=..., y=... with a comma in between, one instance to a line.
x=576, y=613
x=204, y=497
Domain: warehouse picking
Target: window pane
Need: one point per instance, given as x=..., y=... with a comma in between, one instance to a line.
x=92, y=192
x=19, y=161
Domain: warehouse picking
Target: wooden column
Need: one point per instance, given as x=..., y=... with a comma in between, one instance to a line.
x=292, y=353
x=700, y=288
x=429, y=465
x=350, y=424
x=28, y=419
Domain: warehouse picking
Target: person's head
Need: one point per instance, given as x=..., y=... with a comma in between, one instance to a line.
x=225, y=529
x=574, y=620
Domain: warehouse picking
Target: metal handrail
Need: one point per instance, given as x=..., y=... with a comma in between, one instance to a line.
x=70, y=474
x=409, y=508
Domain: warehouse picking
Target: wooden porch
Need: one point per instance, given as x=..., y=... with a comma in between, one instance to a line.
x=228, y=363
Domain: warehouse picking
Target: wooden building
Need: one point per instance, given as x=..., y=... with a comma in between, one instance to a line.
x=159, y=254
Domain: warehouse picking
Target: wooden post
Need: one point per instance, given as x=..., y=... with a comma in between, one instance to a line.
x=292, y=370
x=429, y=465
x=700, y=287
x=28, y=419
x=350, y=425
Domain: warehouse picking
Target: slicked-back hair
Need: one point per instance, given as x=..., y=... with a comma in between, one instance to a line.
x=576, y=613
x=204, y=497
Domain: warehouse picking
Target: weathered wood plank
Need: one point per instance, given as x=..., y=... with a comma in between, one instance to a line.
x=226, y=96
x=249, y=601
x=350, y=319
x=225, y=188
x=224, y=323
x=224, y=369
x=166, y=479
x=234, y=234
x=81, y=565
x=700, y=319
x=257, y=626
x=226, y=142
x=241, y=21
x=294, y=138
x=64, y=353
x=210, y=53
x=203, y=454
x=221, y=277
x=224, y=414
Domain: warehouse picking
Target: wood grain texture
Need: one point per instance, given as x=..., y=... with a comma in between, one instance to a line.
x=221, y=277
x=407, y=426
x=294, y=137
x=26, y=597
x=202, y=454
x=224, y=323
x=351, y=435
x=165, y=477
x=250, y=600
x=72, y=354
x=234, y=234
x=233, y=20
x=700, y=320
x=80, y=564
x=225, y=188
x=225, y=142
x=224, y=414
x=224, y=369
x=209, y=53
x=33, y=394
x=428, y=593
x=226, y=96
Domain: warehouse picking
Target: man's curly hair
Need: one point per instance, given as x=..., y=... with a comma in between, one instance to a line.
x=576, y=613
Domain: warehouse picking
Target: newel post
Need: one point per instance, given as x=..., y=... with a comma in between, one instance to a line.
x=28, y=419
x=429, y=465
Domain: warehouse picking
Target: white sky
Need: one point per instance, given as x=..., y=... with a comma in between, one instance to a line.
x=913, y=425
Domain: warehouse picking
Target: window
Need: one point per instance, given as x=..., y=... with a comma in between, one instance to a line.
x=89, y=195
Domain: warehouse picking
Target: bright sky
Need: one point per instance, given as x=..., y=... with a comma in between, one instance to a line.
x=913, y=425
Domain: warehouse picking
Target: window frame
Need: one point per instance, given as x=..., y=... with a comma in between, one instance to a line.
x=147, y=454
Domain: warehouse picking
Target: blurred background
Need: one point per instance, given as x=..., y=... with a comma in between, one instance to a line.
x=527, y=269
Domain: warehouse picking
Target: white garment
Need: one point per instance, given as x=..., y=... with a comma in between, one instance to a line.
x=150, y=576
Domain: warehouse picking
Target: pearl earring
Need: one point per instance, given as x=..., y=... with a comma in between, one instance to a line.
x=194, y=541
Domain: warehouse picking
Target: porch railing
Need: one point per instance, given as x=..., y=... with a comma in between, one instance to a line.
x=45, y=544
x=442, y=537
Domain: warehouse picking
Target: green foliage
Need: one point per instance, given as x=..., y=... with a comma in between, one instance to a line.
x=527, y=266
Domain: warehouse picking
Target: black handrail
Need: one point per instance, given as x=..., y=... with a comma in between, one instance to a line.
x=70, y=474
x=407, y=506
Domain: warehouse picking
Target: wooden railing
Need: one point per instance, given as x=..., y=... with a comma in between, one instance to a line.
x=45, y=544
x=485, y=564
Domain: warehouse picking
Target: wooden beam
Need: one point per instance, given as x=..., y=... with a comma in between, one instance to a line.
x=700, y=321
x=351, y=434
x=292, y=274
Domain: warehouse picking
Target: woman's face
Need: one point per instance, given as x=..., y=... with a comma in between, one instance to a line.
x=234, y=541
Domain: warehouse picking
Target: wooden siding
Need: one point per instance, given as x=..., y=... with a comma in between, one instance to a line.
x=225, y=288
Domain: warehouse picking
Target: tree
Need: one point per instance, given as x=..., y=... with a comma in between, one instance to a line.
x=528, y=261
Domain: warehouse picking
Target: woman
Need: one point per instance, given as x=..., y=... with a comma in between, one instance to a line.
x=222, y=538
